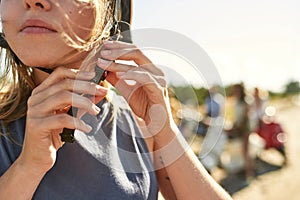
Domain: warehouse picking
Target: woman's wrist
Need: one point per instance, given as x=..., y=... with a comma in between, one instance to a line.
x=33, y=170
x=20, y=180
x=168, y=133
x=169, y=146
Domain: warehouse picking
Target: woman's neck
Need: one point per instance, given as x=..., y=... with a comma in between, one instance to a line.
x=41, y=75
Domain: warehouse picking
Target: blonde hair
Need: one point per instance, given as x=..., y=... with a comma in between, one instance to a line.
x=16, y=80
x=104, y=20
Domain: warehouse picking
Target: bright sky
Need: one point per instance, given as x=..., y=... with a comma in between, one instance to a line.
x=257, y=41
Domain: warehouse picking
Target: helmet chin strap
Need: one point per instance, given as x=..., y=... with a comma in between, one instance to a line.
x=48, y=71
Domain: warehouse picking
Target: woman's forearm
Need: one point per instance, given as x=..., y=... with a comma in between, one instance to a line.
x=19, y=181
x=188, y=177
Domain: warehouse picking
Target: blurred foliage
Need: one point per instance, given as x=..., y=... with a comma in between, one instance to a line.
x=292, y=88
x=186, y=92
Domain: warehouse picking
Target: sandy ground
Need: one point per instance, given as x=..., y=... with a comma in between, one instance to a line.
x=284, y=183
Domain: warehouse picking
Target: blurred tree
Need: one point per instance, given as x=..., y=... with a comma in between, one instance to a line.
x=292, y=88
x=187, y=94
x=201, y=94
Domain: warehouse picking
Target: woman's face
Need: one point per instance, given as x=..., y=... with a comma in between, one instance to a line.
x=34, y=29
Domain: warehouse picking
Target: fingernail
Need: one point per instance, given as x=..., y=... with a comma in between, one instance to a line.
x=101, y=89
x=96, y=109
x=105, y=52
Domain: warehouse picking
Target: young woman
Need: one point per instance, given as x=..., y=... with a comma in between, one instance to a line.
x=109, y=158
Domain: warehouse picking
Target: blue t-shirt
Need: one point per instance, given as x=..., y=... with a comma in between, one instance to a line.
x=111, y=162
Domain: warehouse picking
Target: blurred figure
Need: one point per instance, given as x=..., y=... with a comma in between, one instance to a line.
x=215, y=139
x=272, y=132
x=212, y=106
x=241, y=128
x=256, y=111
x=212, y=102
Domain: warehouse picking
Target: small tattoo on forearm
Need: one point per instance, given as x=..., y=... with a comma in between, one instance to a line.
x=163, y=164
x=161, y=161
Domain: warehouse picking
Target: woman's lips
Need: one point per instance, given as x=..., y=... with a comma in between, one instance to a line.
x=36, y=26
x=36, y=29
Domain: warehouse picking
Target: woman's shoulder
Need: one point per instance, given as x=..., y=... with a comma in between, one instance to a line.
x=11, y=140
x=13, y=130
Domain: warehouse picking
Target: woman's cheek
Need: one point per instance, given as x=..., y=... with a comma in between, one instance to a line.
x=84, y=22
x=7, y=10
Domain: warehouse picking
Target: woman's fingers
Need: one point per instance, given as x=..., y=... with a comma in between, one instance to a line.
x=59, y=101
x=62, y=73
x=119, y=69
x=76, y=86
x=153, y=86
x=46, y=114
x=112, y=66
x=143, y=77
x=63, y=88
x=60, y=121
x=116, y=50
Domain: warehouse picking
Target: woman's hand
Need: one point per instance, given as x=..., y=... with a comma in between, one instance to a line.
x=146, y=91
x=46, y=114
x=148, y=99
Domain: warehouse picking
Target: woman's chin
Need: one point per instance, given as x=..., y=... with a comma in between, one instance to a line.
x=37, y=63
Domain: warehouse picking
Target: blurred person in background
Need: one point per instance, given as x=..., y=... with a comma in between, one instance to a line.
x=257, y=108
x=240, y=129
x=272, y=132
x=215, y=138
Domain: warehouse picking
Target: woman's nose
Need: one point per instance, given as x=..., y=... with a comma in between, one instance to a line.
x=37, y=4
